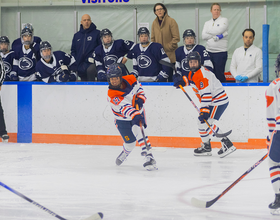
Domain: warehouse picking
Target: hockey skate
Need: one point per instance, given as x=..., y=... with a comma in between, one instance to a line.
x=227, y=147
x=275, y=206
x=150, y=163
x=204, y=150
x=5, y=138
x=121, y=158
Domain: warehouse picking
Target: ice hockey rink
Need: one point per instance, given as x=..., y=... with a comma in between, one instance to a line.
x=76, y=181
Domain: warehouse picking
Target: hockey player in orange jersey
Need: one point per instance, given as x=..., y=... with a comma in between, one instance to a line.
x=126, y=97
x=213, y=100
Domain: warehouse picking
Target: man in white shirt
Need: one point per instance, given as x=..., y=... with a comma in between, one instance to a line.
x=246, y=63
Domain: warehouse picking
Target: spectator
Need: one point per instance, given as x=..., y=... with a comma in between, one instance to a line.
x=7, y=57
x=3, y=131
x=26, y=57
x=182, y=52
x=55, y=66
x=83, y=44
x=215, y=32
x=111, y=51
x=146, y=56
x=18, y=42
x=166, y=32
x=246, y=63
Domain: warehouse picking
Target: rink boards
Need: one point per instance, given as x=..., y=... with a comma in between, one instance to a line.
x=78, y=113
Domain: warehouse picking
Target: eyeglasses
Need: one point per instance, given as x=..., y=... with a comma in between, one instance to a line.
x=160, y=9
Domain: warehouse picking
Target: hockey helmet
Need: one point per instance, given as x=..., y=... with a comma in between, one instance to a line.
x=144, y=30
x=44, y=45
x=105, y=32
x=194, y=55
x=189, y=33
x=27, y=32
x=114, y=70
x=4, y=44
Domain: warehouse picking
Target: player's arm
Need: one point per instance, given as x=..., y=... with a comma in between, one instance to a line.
x=161, y=55
x=207, y=61
x=272, y=107
x=135, y=70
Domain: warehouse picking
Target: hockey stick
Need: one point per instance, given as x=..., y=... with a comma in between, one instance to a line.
x=143, y=134
x=96, y=216
x=214, y=133
x=202, y=204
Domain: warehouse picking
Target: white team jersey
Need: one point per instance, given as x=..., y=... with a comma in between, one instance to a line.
x=208, y=88
x=273, y=106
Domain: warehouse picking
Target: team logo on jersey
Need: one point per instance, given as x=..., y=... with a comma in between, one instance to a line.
x=89, y=38
x=7, y=67
x=25, y=63
x=116, y=100
x=185, y=65
x=144, y=61
x=110, y=59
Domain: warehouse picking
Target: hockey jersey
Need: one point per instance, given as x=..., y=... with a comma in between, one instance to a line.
x=146, y=62
x=182, y=65
x=114, y=54
x=273, y=106
x=8, y=60
x=49, y=72
x=207, y=87
x=25, y=60
x=122, y=101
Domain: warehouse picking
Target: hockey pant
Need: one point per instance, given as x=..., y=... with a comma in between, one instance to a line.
x=274, y=161
x=130, y=135
x=215, y=114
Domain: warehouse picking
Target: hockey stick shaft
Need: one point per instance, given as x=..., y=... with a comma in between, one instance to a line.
x=216, y=134
x=142, y=131
x=203, y=204
x=97, y=216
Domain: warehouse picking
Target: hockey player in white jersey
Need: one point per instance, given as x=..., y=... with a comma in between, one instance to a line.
x=26, y=56
x=273, y=138
x=213, y=100
x=55, y=66
x=8, y=57
x=111, y=51
x=126, y=97
x=146, y=56
x=182, y=53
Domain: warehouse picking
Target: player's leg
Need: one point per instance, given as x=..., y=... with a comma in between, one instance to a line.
x=205, y=148
x=125, y=130
x=150, y=162
x=227, y=146
x=3, y=132
x=274, y=169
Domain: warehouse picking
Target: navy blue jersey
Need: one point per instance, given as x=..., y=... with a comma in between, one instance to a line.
x=8, y=60
x=181, y=53
x=25, y=60
x=146, y=64
x=114, y=54
x=50, y=72
x=17, y=42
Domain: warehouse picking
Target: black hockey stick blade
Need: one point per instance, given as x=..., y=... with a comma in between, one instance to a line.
x=96, y=216
x=202, y=204
x=162, y=62
x=223, y=134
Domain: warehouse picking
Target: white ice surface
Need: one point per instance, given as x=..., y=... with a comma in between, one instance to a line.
x=76, y=181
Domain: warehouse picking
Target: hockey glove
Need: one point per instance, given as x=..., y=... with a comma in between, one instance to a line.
x=220, y=36
x=137, y=120
x=65, y=69
x=160, y=78
x=101, y=76
x=239, y=78
x=14, y=76
x=139, y=102
x=73, y=77
x=178, y=80
x=204, y=114
x=62, y=77
x=244, y=78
